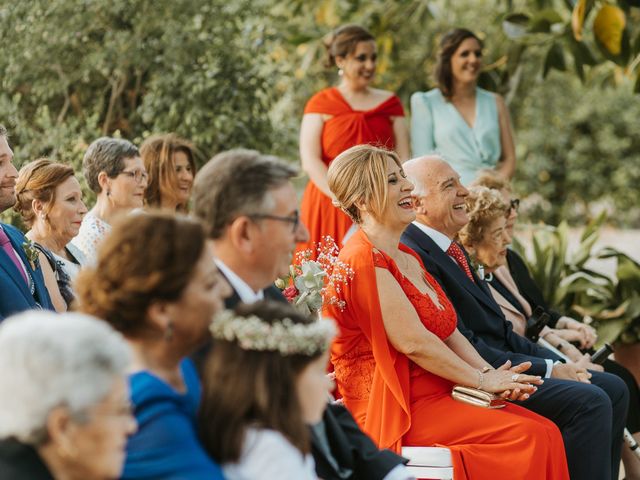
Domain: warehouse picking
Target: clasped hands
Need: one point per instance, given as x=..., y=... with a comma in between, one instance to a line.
x=510, y=383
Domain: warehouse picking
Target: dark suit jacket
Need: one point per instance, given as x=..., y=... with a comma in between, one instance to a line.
x=528, y=287
x=351, y=447
x=21, y=462
x=479, y=316
x=14, y=292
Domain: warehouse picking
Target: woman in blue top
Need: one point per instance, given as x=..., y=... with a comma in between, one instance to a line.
x=470, y=127
x=157, y=283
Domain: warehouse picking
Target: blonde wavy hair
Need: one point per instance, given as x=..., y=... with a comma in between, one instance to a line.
x=359, y=174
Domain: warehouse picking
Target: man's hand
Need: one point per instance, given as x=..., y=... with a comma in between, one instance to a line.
x=571, y=371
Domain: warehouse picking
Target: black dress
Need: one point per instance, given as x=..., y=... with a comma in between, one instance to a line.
x=21, y=462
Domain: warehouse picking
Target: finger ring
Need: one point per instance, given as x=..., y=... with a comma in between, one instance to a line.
x=515, y=377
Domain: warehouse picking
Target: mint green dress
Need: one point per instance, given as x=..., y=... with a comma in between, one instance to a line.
x=438, y=127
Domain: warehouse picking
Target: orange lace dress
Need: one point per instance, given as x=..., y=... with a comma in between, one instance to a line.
x=399, y=403
x=345, y=129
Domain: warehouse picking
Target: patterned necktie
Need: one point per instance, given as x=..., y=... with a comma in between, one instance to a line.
x=5, y=244
x=457, y=254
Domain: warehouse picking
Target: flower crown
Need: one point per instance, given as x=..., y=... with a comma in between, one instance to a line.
x=284, y=336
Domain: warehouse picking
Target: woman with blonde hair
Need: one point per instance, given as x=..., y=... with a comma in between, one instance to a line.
x=398, y=353
x=49, y=199
x=170, y=163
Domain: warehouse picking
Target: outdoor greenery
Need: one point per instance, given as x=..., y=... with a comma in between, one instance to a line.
x=228, y=74
x=571, y=286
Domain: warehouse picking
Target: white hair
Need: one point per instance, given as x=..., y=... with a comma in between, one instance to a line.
x=410, y=167
x=49, y=360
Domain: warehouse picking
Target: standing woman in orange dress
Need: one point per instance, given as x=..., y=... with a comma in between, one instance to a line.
x=338, y=118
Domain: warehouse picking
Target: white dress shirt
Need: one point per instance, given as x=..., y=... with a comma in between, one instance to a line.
x=244, y=291
x=443, y=242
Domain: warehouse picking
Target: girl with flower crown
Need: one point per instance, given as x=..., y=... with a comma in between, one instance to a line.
x=263, y=381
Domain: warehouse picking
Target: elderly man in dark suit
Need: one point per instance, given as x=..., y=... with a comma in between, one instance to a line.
x=249, y=205
x=588, y=407
x=21, y=282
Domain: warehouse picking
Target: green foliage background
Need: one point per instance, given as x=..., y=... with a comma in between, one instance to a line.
x=228, y=74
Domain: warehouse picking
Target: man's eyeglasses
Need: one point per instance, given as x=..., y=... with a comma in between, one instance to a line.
x=514, y=204
x=293, y=219
x=137, y=175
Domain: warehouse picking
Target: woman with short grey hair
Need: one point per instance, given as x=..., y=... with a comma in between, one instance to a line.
x=114, y=170
x=64, y=408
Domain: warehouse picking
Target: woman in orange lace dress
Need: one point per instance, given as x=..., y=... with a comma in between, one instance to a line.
x=340, y=117
x=399, y=353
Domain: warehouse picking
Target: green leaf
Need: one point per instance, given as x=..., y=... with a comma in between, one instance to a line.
x=542, y=21
x=554, y=59
x=610, y=330
x=516, y=25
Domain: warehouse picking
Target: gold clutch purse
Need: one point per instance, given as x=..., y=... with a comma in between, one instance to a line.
x=476, y=397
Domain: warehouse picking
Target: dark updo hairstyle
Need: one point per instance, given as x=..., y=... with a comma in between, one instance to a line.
x=38, y=180
x=147, y=257
x=343, y=41
x=448, y=46
x=243, y=388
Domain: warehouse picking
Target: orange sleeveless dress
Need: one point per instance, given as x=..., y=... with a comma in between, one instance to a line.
x=345, y=129
x=399, y=403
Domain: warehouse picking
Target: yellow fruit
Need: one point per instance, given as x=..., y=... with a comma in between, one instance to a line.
x=608, y=27
x=577, y=19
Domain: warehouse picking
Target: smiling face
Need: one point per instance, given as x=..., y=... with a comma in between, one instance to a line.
x=184, y=177
x=442, y=206
x=466, y=61
x=399, y=204
x=8, y=176
x=491, y=250
x=67, y=211
x=359, y=66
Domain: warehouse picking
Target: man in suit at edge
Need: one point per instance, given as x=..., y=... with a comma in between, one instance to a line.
x=249, y=205
x=591, y=415
x=21, y=286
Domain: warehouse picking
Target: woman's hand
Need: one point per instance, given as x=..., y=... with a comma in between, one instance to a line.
x=574, y=331
x=509, y=382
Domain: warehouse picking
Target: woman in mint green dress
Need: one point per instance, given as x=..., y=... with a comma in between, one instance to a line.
x=468, y=126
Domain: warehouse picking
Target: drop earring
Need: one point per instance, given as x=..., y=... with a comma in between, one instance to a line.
x=168, y=332
x=340, y=72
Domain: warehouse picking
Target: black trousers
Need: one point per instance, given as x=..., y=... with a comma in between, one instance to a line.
x=591, y=419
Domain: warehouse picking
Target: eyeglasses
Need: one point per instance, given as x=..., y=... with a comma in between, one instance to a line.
x=137, y=175
x=293, y=219
x=514, y=204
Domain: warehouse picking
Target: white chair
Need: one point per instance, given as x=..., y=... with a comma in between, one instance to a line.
x=429, y=463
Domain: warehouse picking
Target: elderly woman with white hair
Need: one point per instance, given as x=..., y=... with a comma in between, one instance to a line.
x=64, y=400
